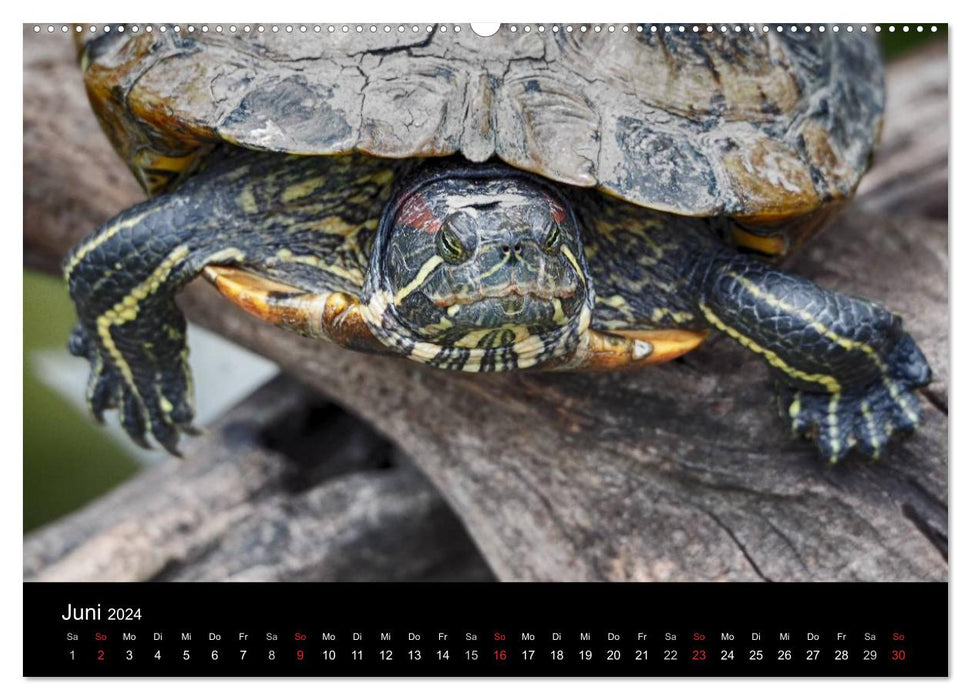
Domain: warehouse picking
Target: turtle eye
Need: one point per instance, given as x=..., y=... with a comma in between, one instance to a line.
x=552, y=239
x=450, y=246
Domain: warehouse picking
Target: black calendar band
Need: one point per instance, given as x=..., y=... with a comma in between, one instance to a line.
x=479, y=629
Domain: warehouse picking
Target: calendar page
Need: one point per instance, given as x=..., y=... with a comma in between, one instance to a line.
x=393, y=349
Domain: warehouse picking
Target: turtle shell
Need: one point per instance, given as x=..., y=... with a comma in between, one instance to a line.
x=760, y=126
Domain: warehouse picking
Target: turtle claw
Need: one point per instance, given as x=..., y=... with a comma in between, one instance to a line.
x=192, y=430
x=166, y=430
x=167, y=437
x=103, y=388
x=863, y=418
x=133, y=420
x=166, y=403
x=837, y=423
x=103, y=392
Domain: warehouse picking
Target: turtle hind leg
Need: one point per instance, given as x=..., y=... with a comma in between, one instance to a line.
x=847, y=370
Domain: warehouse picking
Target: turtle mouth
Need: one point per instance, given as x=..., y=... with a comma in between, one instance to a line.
x=512, y=298
x=510, y=305
x=514, y=303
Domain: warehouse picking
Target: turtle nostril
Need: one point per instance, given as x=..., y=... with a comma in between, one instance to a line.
x=505, y=249
x=518, y=248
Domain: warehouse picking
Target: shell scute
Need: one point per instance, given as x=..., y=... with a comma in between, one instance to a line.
x=740, y=124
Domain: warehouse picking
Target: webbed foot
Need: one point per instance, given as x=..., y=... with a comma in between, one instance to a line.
x=862, y=417
x=151, y=391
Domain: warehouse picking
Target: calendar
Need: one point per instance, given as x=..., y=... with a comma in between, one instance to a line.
x=531, y=349
x=486, y=630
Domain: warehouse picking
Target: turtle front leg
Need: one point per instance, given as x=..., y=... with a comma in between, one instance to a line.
x=847, y=370
x=143, y=375
x=123, y=281
x=295, y=218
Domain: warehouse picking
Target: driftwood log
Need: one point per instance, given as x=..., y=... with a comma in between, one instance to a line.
x=284, y=486
x=681, y=472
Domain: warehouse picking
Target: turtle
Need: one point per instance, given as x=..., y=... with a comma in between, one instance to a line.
x=550, y=201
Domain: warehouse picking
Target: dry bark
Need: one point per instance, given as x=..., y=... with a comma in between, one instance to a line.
x=286, y=486
x=681, y=472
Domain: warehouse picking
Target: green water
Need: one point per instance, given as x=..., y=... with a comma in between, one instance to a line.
x=68, y=459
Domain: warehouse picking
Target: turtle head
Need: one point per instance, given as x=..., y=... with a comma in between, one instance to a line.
x=479, y=270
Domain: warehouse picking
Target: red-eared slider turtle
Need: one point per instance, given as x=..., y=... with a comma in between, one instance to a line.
x=556, y=200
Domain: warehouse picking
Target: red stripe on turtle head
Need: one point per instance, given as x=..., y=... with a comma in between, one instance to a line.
x=557, y=210
x=418, y=215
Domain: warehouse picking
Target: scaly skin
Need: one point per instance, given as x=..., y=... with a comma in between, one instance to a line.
x=847, y=371
x=304, y=220
x=846, y=368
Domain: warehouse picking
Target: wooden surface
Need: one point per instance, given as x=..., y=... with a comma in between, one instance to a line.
x=285, y=486
x=680, y=472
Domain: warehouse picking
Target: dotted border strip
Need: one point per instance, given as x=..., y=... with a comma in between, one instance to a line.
x=512, y=28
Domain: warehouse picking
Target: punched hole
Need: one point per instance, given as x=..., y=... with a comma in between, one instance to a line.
x=485, y=29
